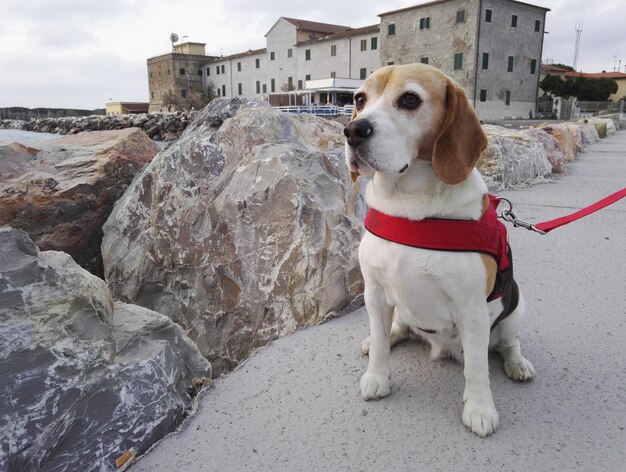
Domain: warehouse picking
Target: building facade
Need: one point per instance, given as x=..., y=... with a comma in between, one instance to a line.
x=492, y=48
x=297, y=51
x=179, y=72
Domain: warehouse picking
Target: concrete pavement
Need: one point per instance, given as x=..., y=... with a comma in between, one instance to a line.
x=295, y=406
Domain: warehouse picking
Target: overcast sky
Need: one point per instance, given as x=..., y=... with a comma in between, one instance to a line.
x=83, y=53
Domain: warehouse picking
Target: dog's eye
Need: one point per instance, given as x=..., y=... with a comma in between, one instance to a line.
x=409, y=101
x=359, y=101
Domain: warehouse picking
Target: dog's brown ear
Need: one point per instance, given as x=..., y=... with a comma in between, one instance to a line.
x=460, y=140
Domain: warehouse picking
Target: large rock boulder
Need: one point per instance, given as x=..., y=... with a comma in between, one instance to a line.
x=82, y=379
x=569, y=138
x=242, y=231
x=512, y=158
x=551, y=146
x=62, y=192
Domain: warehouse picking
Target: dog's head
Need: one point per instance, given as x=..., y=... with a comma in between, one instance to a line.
x=409, y=112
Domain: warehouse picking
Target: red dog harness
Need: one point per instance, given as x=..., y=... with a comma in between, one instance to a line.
x=487, y=235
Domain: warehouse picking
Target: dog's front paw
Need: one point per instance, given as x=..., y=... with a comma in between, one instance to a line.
x=374, y=386
x=482, y=420
x=519, y=368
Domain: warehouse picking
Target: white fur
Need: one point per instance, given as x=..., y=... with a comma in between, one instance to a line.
x=408, y=289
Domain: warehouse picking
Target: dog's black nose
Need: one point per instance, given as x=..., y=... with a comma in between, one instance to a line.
x=358, y=130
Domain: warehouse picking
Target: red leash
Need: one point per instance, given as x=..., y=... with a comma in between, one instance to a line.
x=547, y=226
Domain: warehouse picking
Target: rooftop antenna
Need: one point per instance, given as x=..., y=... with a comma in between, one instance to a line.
x=579, y=29
x=173, y=38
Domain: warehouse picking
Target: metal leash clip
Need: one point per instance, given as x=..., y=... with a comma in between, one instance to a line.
x=508, y=215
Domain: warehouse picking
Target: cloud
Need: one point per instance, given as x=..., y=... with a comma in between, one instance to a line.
x=79, y=53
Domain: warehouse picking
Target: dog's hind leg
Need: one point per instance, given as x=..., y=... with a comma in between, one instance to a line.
x=516, y=366
x=399, y=332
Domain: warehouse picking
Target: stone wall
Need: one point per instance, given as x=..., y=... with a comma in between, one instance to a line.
x=159, y=126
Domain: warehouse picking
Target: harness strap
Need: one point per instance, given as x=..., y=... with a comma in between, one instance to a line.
x=487, y=235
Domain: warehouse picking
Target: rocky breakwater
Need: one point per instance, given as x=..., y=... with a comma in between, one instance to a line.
x=62, y=193
x=242, y=231
x=159, y=126
x=83, y=379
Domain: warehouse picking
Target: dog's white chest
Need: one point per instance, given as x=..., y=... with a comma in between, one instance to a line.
x=426, y=287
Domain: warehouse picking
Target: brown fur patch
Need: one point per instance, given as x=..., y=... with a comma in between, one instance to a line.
x=491, y=267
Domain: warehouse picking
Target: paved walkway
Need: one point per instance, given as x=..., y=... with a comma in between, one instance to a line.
x=295, y=405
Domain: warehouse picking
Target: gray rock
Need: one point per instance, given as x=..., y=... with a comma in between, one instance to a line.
x=82, y=380
x=513, y=158
x=241, y=231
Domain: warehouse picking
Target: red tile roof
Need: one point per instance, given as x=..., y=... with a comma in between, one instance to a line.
x=597, y=75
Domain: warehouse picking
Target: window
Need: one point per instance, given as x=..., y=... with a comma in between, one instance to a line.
x=307, y=77
x=307, y=54
x=240, y=88
x=257, y=63
x=239, y=67
x=507, y=98
x=152, y=95
x=217, y=70
x=299, y=84
x=485, y=65
x=199, y=71
x=509, y=67
x=219, y=93
x=488, y=15
x=208, y=71
x=222, y=69
x=290, y=83
x=333, y=74
x=272, y=56
x=258, y=86
x=425, y=23
x=460, y=16
x=390, y=63
x=183, y=93
x=533, y=66
x=364, y=45
x=150, y=74
x=391, y=29
x=289, y=52
x=514, y=21
x=333, y=50
x=272, y=85
x=182, y=71
x=537, y=26
x=374, y=43
x=264, y=88
x=458, y=61
x=424, y=60
x=363, y=73
x=223, y=90
x=483, y=95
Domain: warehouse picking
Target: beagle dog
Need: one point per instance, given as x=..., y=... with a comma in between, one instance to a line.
x=416, y=135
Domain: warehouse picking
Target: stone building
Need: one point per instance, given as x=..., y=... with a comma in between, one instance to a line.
x=491, y=47
x=179, y=72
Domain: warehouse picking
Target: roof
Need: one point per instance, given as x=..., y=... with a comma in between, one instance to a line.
x=316, y=27
x=345, y=34
x=597, y=75
x=249, y=52
x=435, y=2
x=137, y=107
x=550, y=68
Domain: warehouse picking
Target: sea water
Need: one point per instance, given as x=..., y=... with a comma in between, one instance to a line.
x=27, y=138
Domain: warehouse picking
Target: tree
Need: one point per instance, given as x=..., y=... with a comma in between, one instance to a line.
x=171, y=99
x=564, y=66
x=583, y=88
x=552, y=84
